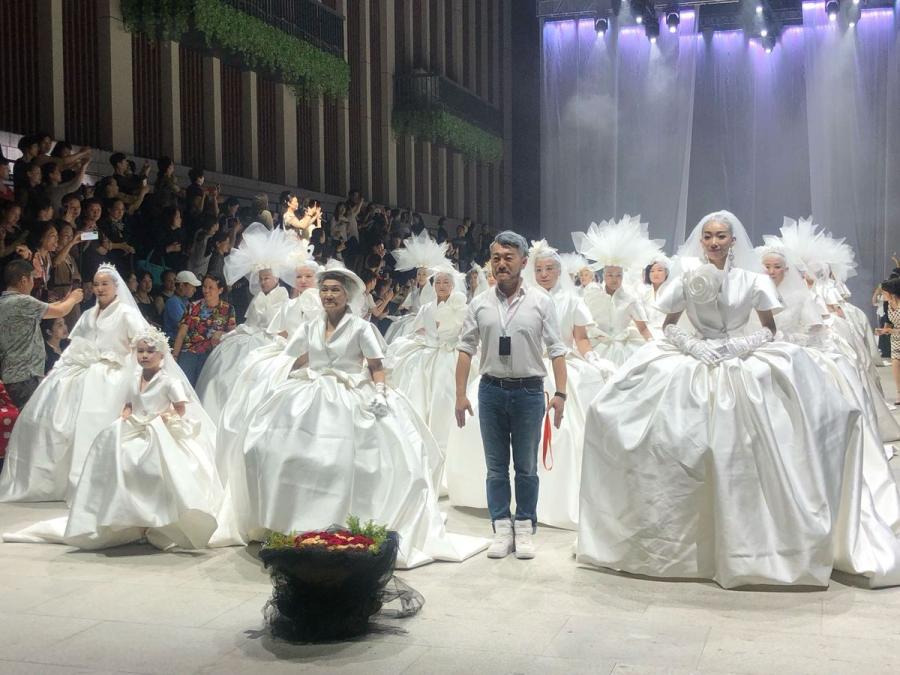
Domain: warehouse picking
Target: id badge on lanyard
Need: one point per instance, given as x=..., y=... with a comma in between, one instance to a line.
x=504, y=348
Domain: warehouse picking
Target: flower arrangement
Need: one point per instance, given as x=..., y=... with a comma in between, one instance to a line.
x=357, y=537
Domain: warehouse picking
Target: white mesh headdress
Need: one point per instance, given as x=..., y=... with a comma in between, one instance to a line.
x=814, y=250
x=573, y=263
x=541, y=250
x=625, y=243
x=262, y=249
x=793, y=288
x=481, y=284
x=154, y=337
x=458, y=278
x=742, y=255
x=123, y=295
x=419, y=251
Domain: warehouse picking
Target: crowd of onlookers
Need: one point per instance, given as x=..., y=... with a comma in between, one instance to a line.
x=65, y=217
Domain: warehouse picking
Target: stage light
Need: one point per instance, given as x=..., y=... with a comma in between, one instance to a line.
x=672, y=21
x=764, y=32
x=768, y=43
x=759, y=10
x=832, y=8
x=639, y=19
x=601, y=26
x=651, y=29
x=854, y=14
x=855, y=2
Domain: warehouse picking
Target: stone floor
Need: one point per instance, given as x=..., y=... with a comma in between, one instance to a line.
x=136, y=610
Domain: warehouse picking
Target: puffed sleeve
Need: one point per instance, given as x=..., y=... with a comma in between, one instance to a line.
x=369, y=342
x=765, y=297
x=671, y=299
x=582, y=315
x=298, y=345
x=134, y=323
x=176, y=391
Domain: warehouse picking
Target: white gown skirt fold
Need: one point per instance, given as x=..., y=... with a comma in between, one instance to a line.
x=55, y=429
x=140, y=479
x=731, y=472
x=225, y=364
x=314, y=455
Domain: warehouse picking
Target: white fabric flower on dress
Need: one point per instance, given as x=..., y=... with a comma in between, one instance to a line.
x=703, y=284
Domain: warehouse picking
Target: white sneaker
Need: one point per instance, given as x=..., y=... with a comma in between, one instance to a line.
x=503, y=543
x=524, y=543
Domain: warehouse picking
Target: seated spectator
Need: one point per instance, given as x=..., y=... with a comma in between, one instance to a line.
x=221, y=247
x=28, y=146
x=203, y=326
x=30, y=190
x=443, y=233
x=7, y=194
x=121, y=253
x=129, y=183
x=374, y=309
x=143, y=296
x=186, y=284
x=261, y=213
x=202, y=248
x=22, y=354
x=229, y=220
x=56, y=339
x=166, y=290
x=170, y=245
x=43, y=242
x=12, y=237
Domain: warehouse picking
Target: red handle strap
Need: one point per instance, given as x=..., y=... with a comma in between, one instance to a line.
x=547, y=443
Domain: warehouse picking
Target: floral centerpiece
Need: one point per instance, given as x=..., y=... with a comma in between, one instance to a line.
x=328, y=583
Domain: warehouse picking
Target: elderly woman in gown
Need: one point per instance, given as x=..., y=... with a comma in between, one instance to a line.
x=82, y=394
x=716, y=455
x=334, y=440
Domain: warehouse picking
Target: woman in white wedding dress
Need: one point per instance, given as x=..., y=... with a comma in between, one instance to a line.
x=559, y=466
x=421, y=253
x=334, y=441
x=865, y=536
x=422, y=365
x=148, y=475
x=656, y=275
x=264, y=257
x=716, y=457
x=620, y=323
x=81, y=395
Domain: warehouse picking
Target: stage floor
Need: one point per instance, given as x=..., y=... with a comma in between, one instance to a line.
x=136, y=610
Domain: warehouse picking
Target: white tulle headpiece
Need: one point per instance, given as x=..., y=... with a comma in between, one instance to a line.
x=419, y=251
x=541, y=250
x=625, y=243
x=815, y=250
x=742, y=253
x=793, y=285
x=154, y=337
x=481, y=284
x=457, y=277
x=302, y=255
x=263, y=249
x=573, y=263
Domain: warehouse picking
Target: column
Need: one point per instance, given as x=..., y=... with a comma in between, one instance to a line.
x=286, y=134
x=318, y=143
x=116, y=95
x=50, y=63
x=250, y=125
x=406, y=146
x=471, y=19
x=484, y=57
x=365, y=100
x=423, y=200
x=212, y=112
x=455, y=69
x=171, y=100
x=507, y=112
x=439, y=36
x=343, y=106
x=496, y=54
x=458, y=208
x=387, y=57
x=439, y=200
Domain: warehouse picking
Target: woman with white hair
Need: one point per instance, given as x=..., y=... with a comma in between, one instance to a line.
x=717, y=454
x=334, y=440
x=81, y=395
x=620, y=323
x=656, y=275
x=151, y=473
x=264, y=257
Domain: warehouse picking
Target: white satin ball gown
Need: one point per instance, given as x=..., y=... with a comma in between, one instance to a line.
x=220, y=371
x=730, y=472
x=655, y=318
x=150, y=476
x=83, y=393
x=315, y=454
x=866, y=539
x=560, y=453
x=422, y=365
x=613, y=335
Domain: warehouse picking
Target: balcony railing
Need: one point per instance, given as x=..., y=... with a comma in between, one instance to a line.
x=428, y=90
x=305, y=19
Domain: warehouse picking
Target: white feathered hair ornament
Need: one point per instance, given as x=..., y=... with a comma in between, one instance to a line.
x=813, y=250
x=263, y=249
x=420, y=251
x=573, y=263
x=625, y=243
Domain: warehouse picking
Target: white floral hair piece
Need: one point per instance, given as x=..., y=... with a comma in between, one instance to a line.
x=262, y=249
x=815, y=250
x=625, y=243
x=154, y=337
x=420, y=251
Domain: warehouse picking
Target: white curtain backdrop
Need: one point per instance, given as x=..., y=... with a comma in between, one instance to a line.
x=698, y=123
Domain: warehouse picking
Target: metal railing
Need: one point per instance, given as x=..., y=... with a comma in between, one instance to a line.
x=305, y=19
x=428, y=90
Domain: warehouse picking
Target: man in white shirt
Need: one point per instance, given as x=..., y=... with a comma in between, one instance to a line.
x=513, y=323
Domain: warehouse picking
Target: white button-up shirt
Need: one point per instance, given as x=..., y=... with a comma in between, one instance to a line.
x=528, y=318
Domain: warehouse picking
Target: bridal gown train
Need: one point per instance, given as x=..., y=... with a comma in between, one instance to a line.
x=220, y=371
x=83, y=393
x=314, y=453
x=151, y=475
x=731, y=472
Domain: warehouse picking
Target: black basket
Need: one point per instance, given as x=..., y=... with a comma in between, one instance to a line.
x=321, y=595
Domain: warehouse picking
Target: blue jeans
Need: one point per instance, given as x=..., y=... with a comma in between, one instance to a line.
x=192, y=363
x=511, y=417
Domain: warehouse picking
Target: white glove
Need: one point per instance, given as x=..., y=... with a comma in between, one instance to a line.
x=378, y=406
x=699, y=349
x=801, y=339
x=739, y=346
